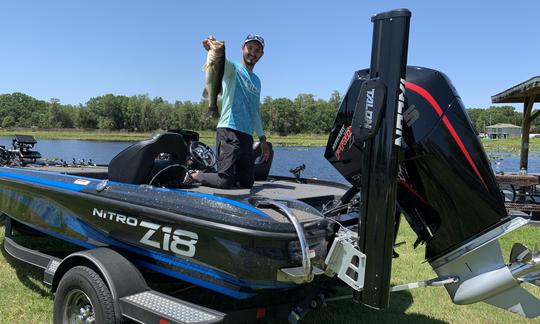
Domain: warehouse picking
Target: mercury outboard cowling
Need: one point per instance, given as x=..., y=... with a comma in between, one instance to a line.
x=444, y=165
x=446, y=187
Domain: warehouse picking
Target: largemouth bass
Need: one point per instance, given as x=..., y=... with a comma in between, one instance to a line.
x=215, y=66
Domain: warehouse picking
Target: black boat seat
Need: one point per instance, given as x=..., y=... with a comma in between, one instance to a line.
x=137, y=163
x=262, y=169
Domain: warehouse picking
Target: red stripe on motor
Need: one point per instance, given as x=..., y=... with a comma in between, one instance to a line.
x=414, y=192
x=429, y=98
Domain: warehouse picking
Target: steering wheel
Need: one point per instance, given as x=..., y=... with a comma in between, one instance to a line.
x=202, y=154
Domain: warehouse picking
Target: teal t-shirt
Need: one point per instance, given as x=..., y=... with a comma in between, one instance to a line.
x=240, y=107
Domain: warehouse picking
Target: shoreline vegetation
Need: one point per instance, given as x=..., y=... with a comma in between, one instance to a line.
x=500, y=145
x=205, y=136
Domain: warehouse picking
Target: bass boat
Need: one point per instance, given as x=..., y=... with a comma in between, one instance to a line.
x=401, y=138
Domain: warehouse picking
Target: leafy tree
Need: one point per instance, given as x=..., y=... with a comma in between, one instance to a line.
x=482, y=118
x=8, y=121
x=281, y=116
x=23, y=109
x=59, y=116
x=335, y=100
x=88, y=118
x=304, y=99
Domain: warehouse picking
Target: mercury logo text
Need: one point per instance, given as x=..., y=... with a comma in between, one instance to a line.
x=399, y=117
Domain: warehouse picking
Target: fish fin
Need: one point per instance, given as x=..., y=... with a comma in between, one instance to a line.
x=205, y=93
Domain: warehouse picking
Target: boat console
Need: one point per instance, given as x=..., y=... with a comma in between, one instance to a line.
x=164, y=160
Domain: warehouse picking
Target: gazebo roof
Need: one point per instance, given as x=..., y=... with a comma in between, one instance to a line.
x=519, y=92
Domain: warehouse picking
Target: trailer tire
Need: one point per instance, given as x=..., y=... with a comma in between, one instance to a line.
x=82, y=294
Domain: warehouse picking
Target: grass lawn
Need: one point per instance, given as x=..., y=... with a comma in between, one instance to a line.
x=510, y=145
x=205, y=136
x=25, y=299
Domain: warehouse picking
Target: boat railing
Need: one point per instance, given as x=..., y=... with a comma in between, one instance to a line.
x=306, y=274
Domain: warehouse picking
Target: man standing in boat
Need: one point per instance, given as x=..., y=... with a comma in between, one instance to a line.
x=240, y=116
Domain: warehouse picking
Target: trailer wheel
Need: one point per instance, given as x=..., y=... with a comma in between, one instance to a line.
x=83, y=297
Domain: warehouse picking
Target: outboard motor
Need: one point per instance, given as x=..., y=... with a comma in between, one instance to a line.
x=446, y=190
x=444, y=168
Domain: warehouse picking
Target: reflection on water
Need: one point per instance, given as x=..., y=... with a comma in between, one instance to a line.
x=285, y=158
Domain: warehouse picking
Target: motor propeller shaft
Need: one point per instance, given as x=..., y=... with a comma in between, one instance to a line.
x=525, y=266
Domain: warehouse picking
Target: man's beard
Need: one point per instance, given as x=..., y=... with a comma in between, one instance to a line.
x=249, y=61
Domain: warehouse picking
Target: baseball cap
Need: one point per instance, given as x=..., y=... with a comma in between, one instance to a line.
x=254, y=37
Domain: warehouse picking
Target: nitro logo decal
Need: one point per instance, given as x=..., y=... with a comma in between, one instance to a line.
x=119, y=218
x=399, y=119
x=368, y=120
x=344, y=140
x=166, y=238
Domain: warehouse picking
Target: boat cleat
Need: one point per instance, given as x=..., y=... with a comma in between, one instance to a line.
x=297, y=274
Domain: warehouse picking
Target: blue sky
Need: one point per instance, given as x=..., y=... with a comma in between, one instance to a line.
x=75, y=50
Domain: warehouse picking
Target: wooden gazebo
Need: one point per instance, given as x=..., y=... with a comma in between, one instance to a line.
x=528, y=93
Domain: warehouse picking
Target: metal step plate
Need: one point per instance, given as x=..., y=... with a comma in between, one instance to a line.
x=154, y=307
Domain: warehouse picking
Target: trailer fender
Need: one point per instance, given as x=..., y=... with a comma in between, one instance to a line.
x=120, y=275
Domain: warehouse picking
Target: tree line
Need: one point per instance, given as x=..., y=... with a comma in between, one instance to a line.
x=304, y=114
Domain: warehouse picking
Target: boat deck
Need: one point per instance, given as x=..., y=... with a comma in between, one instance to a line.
x=274, y=187
x=313, y=192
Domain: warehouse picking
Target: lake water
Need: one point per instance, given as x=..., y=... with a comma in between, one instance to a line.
x=285, y=158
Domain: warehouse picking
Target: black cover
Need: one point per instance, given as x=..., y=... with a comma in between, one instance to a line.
x=135, y=163
x=446, y=188
x=23, y=139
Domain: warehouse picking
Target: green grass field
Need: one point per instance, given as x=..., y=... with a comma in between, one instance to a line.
x=205, y=136
x=25, y=299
